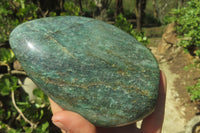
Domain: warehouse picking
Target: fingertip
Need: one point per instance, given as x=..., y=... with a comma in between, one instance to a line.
x=163, y=81
x=72, y=122
x=55, y=107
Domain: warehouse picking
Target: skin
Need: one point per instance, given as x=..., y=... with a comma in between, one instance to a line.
x=70, y=122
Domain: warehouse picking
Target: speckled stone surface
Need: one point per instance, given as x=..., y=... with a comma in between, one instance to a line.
x=89, y=67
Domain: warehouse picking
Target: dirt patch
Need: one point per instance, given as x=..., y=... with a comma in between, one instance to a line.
x=185, y=79
x=179, y=108
x=167, y=52
x=174, y=120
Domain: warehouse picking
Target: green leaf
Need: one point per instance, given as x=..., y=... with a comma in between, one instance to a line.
x=8, y=83
x=6, y=56
x=38, y=93
x=41, y=98
x=4, y=91
x=28, y=130
x=194, y=91
x=8, y=115
x=45, y=126
x=123, y=24
x=13, y=131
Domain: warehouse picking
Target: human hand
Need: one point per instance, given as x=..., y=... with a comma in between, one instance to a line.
x=71, y=122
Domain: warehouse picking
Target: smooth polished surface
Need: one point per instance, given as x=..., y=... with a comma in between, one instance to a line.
x=89, y=67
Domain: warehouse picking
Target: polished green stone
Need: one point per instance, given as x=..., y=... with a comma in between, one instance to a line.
x=89, y=67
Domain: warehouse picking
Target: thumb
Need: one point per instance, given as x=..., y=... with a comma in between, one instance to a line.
x=72, y=122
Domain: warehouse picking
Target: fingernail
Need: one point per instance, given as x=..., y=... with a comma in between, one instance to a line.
x=60, y=125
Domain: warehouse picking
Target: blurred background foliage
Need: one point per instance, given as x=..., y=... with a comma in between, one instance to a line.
x=20, y=114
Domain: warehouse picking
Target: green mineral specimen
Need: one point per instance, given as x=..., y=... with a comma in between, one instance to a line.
x=89, y=67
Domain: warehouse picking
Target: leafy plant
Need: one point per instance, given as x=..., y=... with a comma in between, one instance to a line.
x=14, y=12
x=6, y=56
x=18, y=113
x=188, y=30
x=194, y=91
x=70, y=9
x=89, y=8
x=168, y=19
x=123, y=24
x=188, y=26
x=8, y=83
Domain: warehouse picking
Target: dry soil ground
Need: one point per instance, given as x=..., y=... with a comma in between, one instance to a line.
x=179, y=108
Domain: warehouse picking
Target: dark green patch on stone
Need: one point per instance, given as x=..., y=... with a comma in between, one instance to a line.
x=89, y=67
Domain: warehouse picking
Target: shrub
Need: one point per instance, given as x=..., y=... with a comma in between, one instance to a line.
x=123, y=24
x=194, y=91
x=14, y=12
x=17, y=113
x=188, y=26
x=70, y=9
